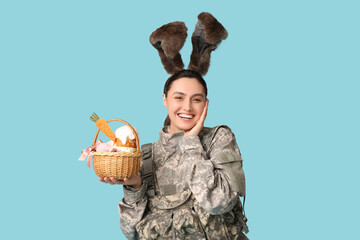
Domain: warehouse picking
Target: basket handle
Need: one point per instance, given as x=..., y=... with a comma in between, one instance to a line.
x=132, y=129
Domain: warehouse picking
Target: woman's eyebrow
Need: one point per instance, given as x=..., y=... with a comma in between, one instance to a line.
x=198, y=94
x=181, y=93
x=195, y=95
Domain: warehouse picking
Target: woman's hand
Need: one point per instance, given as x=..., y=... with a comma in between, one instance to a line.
x=134, y=181
x=200, y=123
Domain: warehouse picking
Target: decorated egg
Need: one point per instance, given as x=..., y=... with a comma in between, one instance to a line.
x=102, y=147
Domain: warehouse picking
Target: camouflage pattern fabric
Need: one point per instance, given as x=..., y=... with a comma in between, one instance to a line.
x=198, y=181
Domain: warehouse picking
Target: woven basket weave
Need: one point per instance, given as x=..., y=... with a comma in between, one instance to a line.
x=117, y=164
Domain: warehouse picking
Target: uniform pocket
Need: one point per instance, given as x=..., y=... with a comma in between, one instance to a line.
x=187, y=225
x=155, y=226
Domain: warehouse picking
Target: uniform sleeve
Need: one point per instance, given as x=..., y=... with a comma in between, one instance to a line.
x=218, y=180
x=131, y=209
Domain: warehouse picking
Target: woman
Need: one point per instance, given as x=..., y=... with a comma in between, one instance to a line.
x=197, y=174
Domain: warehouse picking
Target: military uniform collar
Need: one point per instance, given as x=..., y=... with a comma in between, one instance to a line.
x=168, y=139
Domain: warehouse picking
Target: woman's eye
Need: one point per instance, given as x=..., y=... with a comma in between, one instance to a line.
x=178, y=98
x=197, y=100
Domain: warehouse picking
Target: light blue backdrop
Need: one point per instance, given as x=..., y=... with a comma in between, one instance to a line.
x=286, y=81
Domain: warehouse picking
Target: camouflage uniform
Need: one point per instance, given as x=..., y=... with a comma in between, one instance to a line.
x=198, y=180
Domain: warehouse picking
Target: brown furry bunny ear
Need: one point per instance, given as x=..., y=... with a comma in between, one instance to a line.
x=168, y=40
x=206, y=38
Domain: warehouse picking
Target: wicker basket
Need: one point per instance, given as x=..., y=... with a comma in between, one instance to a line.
x=117, y=164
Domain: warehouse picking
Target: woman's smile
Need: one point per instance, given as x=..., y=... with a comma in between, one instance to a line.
x=186, y=116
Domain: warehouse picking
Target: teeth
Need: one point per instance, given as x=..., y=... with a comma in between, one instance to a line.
x=185, y=116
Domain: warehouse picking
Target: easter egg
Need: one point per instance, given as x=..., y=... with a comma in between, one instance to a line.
x=102, y=147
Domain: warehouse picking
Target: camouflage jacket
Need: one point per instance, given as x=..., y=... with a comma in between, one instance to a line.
x=198, y=181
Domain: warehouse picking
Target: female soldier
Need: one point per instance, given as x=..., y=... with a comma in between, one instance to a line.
x=192, y=177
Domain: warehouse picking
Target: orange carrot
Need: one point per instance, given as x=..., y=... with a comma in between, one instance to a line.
x=103, y=126
x=118, y=142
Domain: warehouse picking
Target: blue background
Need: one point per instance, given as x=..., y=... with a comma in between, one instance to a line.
x=286, y=81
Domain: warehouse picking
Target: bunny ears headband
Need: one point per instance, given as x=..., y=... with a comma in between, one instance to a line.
x=170, y=38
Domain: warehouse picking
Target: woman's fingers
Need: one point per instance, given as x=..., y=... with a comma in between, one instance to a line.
x=204, y=113
x=133, y=181
x=111, y=180
x=108, y=180
x=116, y=181
x=200, y=123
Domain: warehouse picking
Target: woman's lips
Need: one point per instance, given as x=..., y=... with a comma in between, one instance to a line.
x=186, y=116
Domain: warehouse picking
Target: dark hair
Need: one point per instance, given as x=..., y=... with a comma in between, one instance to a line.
x=183, y=74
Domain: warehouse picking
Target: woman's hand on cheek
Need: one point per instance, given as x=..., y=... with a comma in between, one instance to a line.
x=200, y=123
x=134, y=181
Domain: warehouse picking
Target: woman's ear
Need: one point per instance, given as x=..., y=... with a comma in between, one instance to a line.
x=164, y=100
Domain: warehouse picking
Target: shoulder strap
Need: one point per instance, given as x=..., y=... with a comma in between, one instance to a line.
x=210, y=136
x=147, y=168
x=207, y=143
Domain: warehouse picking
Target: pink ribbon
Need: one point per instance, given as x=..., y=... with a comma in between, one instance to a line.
x=87, y=153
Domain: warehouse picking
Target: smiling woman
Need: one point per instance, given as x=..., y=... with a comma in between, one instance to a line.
x=192, y=177
x=191, y=187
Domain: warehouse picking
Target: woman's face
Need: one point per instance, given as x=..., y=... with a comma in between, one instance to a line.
x=185, y=102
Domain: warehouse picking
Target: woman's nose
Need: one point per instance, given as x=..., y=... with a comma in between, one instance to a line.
x=187, y=105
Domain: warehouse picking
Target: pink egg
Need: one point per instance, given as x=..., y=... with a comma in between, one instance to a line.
x=102, y=147
x=113, y=149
